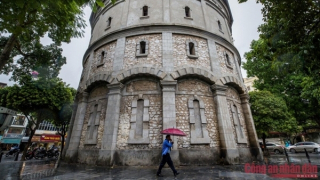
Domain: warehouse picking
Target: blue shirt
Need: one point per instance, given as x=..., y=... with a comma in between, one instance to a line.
x=166, y=147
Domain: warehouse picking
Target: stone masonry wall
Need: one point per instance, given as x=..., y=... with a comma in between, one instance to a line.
x=97, y=95
x=108, y=59
x=232, y=96
x=180, y=53
x=141, y=86
x=155, y=114
x=222, y=60
x=187, y=89
x=84, y=75
x=154, y=57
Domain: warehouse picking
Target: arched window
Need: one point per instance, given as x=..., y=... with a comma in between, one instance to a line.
x=102, y=56
x=142, y=47
x=198, y=121
x=145, y=11
x=237, y=124
x=191, y=48
x=139, y=123
x=109, y=21
x=219, y=24
x=187, y=11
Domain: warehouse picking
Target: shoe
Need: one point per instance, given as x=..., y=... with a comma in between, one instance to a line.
x=159, y=175
x=175, y=174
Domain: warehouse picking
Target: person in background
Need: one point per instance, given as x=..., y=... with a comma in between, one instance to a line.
x=166, y=146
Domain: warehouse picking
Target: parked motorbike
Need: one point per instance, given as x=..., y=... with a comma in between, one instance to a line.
x=40, y=153
x=13, y=151
x=53, y=152
x=31, y=154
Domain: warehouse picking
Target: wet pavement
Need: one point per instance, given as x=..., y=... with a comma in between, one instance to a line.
x=46, y=169
x=68, y=172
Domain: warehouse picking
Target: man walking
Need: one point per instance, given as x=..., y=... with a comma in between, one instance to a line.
x=166, y=146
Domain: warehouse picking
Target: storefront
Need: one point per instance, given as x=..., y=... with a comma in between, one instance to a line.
x=45, y=140
x=7, y=143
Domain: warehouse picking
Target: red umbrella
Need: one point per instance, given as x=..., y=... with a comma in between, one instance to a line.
x=173, y=131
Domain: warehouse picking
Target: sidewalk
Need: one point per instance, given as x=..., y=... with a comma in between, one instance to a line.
x=76, y=171
x=44, y=169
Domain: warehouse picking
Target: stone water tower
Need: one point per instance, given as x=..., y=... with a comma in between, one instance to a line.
x=152, y=65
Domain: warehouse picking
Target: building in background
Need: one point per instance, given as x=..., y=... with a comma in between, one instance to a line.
x=14, y=131
x=45, y=136
x=2, y=85
x=248, y=82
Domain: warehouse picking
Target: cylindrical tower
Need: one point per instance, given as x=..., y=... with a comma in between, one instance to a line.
x=153, y=65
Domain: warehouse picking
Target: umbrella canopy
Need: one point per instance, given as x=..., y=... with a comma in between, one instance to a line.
x=173, y=131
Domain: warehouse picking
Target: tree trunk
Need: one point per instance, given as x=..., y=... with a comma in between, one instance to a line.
x=62, y=143
x=23, y=158
x=264, y=144
x=5, y=54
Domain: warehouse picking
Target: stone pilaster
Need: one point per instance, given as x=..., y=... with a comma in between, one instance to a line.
x=74, y=111
x=167, y=57
x=74, y=142
x=111, y=124
x=253, y=139
x=119, y=55
x=214, y=59
x=166, y=11
x=169, y=112
x=229, y=151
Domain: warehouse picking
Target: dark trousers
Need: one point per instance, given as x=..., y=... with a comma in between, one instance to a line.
x=166, y=159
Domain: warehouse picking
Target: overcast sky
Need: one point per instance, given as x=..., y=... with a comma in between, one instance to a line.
x=247, y=17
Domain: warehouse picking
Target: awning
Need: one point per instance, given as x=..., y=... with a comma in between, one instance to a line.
x=10, y=141
x=34, y=139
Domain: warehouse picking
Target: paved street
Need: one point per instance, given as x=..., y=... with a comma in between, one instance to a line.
x=45, y=169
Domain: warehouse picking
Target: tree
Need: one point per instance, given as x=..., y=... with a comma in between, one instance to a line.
x=30, y=20
x=270, y=113
x=33, y=56
x=63, y=117
x=37, y=100
x=285, y=58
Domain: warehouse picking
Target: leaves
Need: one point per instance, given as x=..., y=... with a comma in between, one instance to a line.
x=270, y=113
x=286, y=57
x=28, y=21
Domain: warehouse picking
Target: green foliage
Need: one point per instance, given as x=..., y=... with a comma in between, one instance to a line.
x=38, y=100
x=31, y=96
x=270, y=113
x=33, y=56
x=285, y=58
x=23, y=21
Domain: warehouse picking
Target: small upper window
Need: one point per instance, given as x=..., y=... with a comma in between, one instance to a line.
x=187, y=11
x=191, y=49
x=142, y=47
x=109, y=21
x=145, y=11
x=228, y=59
x=219, y=24
x=102, y=56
